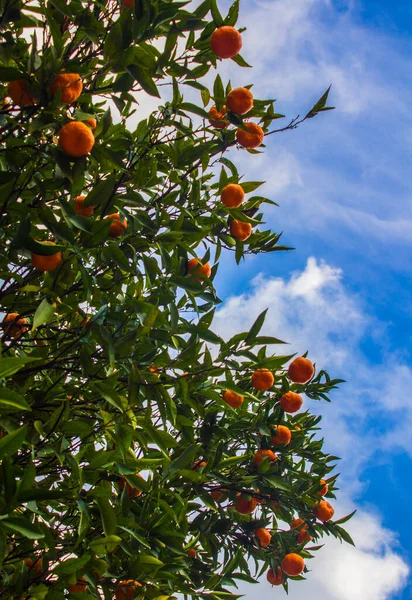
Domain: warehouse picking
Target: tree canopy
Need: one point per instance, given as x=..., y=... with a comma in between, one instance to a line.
x=142, y=454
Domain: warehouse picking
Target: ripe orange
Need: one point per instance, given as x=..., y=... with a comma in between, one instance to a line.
x=195, y=267
x=34, y=567
x=240, y=231
x=46, y=263
x=117, y=226
x=234, y=400
x=240, y=101
x=244, y=506
x=200, y=464
x=80, y=209
x=76, y=139
x=80, y=586
x=275, y=578
x=283, y=435
x=216, y=495
x=324, y=511
x=14, y=326
x=264, y=537
x=252, y=138
x=130, y=491
x=91, y=123
x=217, y=118
x=301, y=370
x=324, y=490
x=232, y=195
x=191, y=553
x=291, y=402
x=260, y=455
x=262, y=380
x=153, y=369
x=70, y=85
x=226, y=42
x=293, y=564
x=303, y=535
x=19, y=93
x=125, y=590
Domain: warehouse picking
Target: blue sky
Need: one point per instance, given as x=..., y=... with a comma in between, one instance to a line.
x=344, y=188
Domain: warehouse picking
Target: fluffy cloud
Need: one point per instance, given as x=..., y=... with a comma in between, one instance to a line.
x=370, y=571
x=312, y=309
x=315, y=310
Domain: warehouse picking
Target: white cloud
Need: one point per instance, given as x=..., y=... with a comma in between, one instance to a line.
x=370, y=571
x=312, y=309
x=315, y=311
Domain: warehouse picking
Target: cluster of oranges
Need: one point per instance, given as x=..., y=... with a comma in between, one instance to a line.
x=226, y=42
x=75, y=137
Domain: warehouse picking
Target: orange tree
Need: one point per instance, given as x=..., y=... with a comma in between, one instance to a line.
x=142, y=454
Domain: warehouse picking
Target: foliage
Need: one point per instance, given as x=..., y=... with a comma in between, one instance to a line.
x=118, y=370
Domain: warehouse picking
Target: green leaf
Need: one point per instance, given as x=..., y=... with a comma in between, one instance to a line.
x=143, y=77
x=101, y=192
x=185, y=458
x=70, y=566
x=320, y=105
x=9, y=366
x=108, y=515
x=105, y=544
x=44, y=314
x=344, y=519
x=12, y=442
x=12, y=400
x=278, y=482
x=256, y=327
x=22, y=526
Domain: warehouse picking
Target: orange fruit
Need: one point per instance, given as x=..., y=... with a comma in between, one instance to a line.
x=76, y=139
x=234, y=400
x=127, y=3
x=240, y=231
x=195, y=267
x=301, y=370
x=264, y=537
x=293, y=564
x=70, y=85
x=117, y=226
x=275, y=578
x=252, y=138
x=125, y=590
x=303, y=535
x=80, y=586
x=291, y=402
x=324, y=511
x=216, y=495
x=34, y=567
x=153, y=369
x=283, y=435
x=217, y=118
x=130, y=491
x=324, y=490
x=226, y=42
x=240, y=101
x=244, y=506
x=19, y=93
x=260, y=455
x=232, y=195
x=262, y=380
x=14, y=326
x=191, y=553
x=91, y=123
x=200, y=464
x=46, y=263
x=80, y=209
